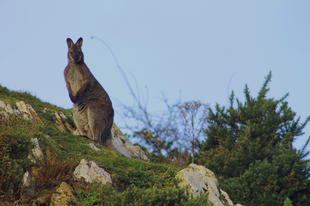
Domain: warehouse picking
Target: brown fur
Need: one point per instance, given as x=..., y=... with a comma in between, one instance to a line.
x=92, y=112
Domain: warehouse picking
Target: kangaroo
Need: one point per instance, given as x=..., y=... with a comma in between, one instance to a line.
x=92, y=111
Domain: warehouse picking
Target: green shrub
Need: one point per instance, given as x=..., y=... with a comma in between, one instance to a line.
x=250, y=149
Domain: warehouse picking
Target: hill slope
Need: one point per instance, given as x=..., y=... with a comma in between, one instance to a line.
x=134, y=182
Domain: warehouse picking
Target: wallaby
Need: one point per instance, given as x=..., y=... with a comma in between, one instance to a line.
x=92, y=112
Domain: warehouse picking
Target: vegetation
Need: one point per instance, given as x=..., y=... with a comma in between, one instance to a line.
x=248, y=147
x=250, y=150
x=134, y=182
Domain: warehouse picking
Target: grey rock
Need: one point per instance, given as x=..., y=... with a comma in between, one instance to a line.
x=124, y=147
x=29, y=182
x=28, y=112
x=60, y=120
x=229, y=202
x=10, y=110
x=36, y=152
x=22, y=107
x=76, y=132
x=91, y=172
x=2, y=104
x=93, y=146
x=24, y=110
x=201, y=180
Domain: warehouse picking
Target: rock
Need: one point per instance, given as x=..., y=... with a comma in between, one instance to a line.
x=63, y=196
x=24, y=110
x=29, y=182
x=22, y=107
x=123, y=145
x=92, y=145
x=202, y=180
x=2, y=104
x=226, y=197
x=36, y=152
x=10, y=110
x=60, y=121
x=76, y=132
x=91, y=172
x=28, y=112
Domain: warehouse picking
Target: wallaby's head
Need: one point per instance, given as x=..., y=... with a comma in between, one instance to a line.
x=75, y=53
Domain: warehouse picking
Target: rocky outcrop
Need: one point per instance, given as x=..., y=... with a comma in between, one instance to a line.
x=123, y=145
x=64, y=196
x=91, y=172
x=24, y=110
x=201, y=180
x=60, y=120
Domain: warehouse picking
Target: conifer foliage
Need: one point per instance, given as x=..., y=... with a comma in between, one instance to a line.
x=250, y=149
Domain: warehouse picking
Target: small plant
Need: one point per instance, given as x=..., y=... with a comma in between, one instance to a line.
x=288, y=202
x=88, y=199
x=193, y=115
x=52, y=171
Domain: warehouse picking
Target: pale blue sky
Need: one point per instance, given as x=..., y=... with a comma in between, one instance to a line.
x=192, y=46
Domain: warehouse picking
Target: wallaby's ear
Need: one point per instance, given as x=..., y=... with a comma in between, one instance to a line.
x=69, y=42
x=79, y=42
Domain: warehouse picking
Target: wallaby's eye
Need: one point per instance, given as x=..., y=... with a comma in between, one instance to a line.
x=71, y=52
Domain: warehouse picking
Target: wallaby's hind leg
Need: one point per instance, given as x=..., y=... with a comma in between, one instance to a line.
x=99, y=129
x=96, y=124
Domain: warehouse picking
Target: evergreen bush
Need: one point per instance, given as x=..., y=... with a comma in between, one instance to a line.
x=250, y=150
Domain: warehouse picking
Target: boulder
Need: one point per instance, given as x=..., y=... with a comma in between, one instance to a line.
x=201, y=180
x=91, y=172
x=63, y=196
x=36, y=152
x=124, y=147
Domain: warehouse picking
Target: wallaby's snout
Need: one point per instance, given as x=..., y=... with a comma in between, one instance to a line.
x=77, y=56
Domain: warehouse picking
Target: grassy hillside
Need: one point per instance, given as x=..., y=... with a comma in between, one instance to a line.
x=134, y=182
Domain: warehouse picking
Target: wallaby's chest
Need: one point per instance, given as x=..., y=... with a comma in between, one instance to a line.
x=76, y=77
